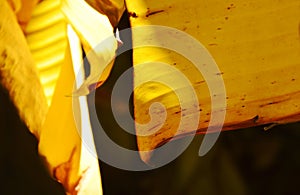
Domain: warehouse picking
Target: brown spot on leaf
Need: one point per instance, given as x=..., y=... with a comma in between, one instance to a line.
x=3, y=58
x=255, y=119
x=231, y=6
x=4, y=54
x=132, y=14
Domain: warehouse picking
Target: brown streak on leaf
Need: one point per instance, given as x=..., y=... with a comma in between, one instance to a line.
x=154, y=12
x=62, y=173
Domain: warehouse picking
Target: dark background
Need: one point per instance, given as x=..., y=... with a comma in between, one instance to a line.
x=247, y=161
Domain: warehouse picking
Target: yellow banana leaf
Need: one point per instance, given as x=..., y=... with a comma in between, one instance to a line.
x=255, y=44
x=39, y=72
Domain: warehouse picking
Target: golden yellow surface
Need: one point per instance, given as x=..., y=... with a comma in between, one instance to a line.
x=256, y=45
x=18, y=73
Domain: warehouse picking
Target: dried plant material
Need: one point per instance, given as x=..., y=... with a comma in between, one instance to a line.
x=18, y=72
x=113, y=9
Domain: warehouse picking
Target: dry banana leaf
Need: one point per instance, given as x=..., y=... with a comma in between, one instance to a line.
x=113, y=9
x=18, y=73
